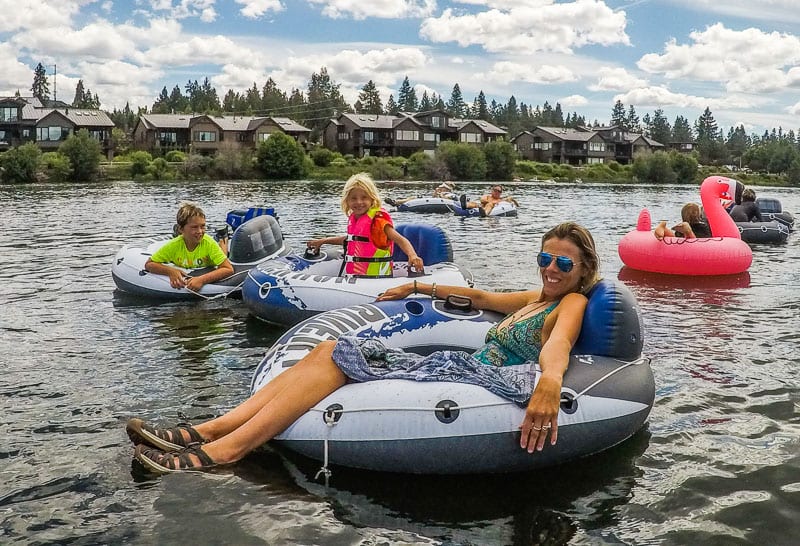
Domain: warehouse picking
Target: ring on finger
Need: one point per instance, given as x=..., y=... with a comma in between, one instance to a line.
x=537, y=428
x=545, y=427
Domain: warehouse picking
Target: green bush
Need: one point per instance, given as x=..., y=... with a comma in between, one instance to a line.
x=175, y=156
x=140, y=161
x=159, y=169
x=422, y=166
x=56, y=167
x=339, y=163
x=464, y=161
x=281, y=157
x=383, y=169
x=19, y=165
x=500, y=160
x=84, y=153
x=322, y=156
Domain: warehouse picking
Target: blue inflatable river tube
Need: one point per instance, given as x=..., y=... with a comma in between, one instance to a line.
x=453, y=428
x=291, y=288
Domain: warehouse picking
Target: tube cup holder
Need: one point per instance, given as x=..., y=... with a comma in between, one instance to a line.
x=332, y=414
x=311, y=253
x=569, y=404
x=458, y=303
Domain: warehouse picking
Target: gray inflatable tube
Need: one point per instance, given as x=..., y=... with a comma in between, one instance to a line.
x=453, y=428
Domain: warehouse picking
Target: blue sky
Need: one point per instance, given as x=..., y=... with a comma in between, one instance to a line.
x=740, y=58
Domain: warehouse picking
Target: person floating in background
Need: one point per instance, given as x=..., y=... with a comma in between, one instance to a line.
x=443, y=191
x=370, y=232
x=192, y=248
x=691, y=227
x=487, y=201
x=540, y=327
x=748, y=211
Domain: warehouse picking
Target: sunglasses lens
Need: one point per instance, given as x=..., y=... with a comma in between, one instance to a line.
x=564, y=264
x=544, y=259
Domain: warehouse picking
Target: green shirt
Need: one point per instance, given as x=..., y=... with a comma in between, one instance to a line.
x=207, y=253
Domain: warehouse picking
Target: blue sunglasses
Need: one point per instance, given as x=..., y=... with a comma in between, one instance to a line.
x=564, y=263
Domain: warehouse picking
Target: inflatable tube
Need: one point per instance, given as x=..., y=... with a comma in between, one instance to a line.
x=504, y=208
x=453, y=428
x=723, y=254
x=660, y=281
x=771, y=209
x=253, y=242
x=438, y=205
x=292, y=288
x=763, y=232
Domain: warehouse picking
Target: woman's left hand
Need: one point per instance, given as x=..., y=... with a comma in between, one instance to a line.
x=416, y=263
x=541, y=415
x=396, y=292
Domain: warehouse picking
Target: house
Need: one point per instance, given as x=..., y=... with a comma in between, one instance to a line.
x=207, y=133
x=403, y=134
x=582, y=146
x=26, y=119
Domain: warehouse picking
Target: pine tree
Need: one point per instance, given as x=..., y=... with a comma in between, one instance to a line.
x=681, y=130
x=618, y=116
x=659, y=129
x=369, y=99
x=78, y=101
x=480, y=108
x=161, y=105
x=632, y=120
x=456, y=105
x=40, y=87
x=706, y=127
x=425, y=103
x=272, y=98
x=407, y=97
x=391, y=106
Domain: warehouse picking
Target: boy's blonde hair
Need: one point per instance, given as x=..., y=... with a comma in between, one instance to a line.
x=690, y=213
x=186, y=212
x=362, y=181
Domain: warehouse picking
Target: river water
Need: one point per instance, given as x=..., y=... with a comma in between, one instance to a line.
x=717, y=464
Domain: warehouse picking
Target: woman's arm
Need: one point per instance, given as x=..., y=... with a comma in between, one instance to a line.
x=406, y=246
x=560, y=332
x=502, y=302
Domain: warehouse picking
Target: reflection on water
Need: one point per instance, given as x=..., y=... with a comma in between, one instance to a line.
x=718, y=462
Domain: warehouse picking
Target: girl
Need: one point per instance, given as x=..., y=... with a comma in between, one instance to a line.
x=542, y=325
x=370, y=233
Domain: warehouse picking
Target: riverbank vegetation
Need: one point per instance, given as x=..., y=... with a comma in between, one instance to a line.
x=79, y=159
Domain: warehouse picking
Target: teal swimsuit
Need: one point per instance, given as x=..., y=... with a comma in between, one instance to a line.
x=514, y=344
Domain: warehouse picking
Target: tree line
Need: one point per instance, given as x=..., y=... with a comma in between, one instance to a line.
x=775, y=151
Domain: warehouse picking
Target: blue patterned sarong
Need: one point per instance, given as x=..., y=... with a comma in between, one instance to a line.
x=368, y=360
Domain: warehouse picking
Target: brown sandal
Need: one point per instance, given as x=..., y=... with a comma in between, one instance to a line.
x=162, y=462
x=165, y=439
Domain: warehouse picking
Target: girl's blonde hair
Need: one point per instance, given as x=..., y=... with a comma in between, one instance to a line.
x=364, y=182
x=186, y=212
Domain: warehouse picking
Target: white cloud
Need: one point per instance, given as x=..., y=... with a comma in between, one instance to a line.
x=185, y=8
x=794, y=109
x=254, y=9
x=749, y=61
x=573, y=101
x=16, y=75
x=22, y=14
x=657, y=97
x=384, y=9
x=528, y=28
x=616, y=79
x=199, y=50
x=505, y=71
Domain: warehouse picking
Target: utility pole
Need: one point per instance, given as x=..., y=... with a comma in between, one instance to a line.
x=55, y=91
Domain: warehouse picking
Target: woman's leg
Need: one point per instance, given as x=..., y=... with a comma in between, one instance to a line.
x=309, y=381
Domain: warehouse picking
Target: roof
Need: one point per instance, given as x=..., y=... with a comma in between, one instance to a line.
x=565, y=133
x=166, y=121
x=82, y=117
x=372, y=121
x=485, y=126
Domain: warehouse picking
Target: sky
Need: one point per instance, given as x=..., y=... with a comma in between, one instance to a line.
x=739, y=58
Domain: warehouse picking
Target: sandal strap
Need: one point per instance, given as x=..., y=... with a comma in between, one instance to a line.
x=194, y=436
x=173, y=435
x=198, y=452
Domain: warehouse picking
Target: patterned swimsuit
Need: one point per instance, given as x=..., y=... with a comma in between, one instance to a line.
x=506, y=365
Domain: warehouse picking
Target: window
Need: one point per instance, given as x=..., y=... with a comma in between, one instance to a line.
x=344, y=136
x=597, y=146
x=166, y=137
x=9, y=113
x=51, y=133
x=471, y=137
x=263, y=137
x=369, y=136
x=544, y=146
x=97, y=134
x=241, y=137
x=430, y=137
x=594, y=160
x=205, y=136
x=407, y=135
x=436, y=121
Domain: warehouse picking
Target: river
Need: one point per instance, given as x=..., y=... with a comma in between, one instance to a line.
x=718, y=463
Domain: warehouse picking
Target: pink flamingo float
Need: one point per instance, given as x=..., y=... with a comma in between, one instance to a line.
x=722, y=254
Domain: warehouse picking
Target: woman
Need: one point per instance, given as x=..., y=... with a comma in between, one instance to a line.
x=542, y=324
x=691, y=227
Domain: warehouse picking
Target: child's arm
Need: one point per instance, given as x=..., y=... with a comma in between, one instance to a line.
x=175, y=275
x=316, y=243
x=406, y=246
x=223, y=270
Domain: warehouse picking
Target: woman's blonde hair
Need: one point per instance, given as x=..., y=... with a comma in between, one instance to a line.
x=186, y=212
x=580, y=237
x=364, y=182
x=690, y=213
